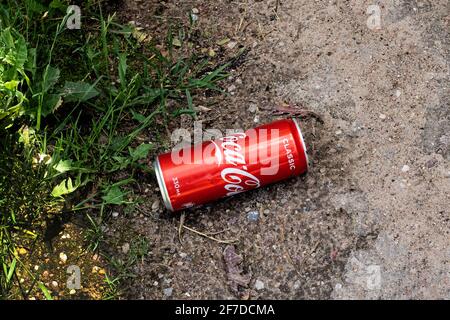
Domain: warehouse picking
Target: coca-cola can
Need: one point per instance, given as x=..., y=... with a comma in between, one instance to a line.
x=239, y=162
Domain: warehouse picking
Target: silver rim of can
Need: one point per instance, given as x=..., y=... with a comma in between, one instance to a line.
x=162, y=184
x=302, y=141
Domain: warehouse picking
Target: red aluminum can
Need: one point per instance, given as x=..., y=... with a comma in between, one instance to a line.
x=230, y=165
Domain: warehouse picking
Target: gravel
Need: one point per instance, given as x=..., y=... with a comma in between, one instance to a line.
x=253, y=216
x=168, y=292
x=259, y=285
x=126, y=248
x=63, y=257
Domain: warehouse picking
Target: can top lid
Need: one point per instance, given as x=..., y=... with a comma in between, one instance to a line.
x=162, y=185
x=302, y=142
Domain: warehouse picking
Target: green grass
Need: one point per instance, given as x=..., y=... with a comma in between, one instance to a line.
x=139, y=248
x=72, y=105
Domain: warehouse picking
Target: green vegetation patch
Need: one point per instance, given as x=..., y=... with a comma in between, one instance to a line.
x=75, y=108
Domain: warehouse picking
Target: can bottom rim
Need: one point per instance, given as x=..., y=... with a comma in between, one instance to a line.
x=162, y=184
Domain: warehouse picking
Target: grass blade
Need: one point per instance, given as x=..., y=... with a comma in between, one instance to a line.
x=45, y=291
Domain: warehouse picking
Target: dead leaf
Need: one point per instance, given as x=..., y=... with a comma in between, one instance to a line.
x=294, y=110
x=223, y=41
x=202, y=108
x=211, y=53
x=140, y=36
x=176, y=42
x=235, y=275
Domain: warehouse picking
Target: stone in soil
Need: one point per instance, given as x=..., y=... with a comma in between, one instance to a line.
x=253, y=216
x=63, y=257
x=168, y=292
x=259, y=285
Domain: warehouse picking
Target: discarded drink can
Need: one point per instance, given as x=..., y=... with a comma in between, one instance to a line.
x=243, y=161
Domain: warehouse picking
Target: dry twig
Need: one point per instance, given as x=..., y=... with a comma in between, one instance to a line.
x=205, y=235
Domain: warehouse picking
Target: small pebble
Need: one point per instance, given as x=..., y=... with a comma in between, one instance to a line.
x=431, y=163
x=382, y=116
x=126, y=248
x=72, y=291
x=168, y=292
x=195, y=10
x=405, y=168
x=54, y=284
x=259, y=285
x=63, y=257
x=397, y=93
x=115, y=214
x=231, y=44
x=253, y=216
x=231, y=88
x=36, y=268
x=253, y=108
x=155, y=205
x=194, y=17
x=338, y=132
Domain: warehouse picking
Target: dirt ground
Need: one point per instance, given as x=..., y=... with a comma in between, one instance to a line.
x=371, y=218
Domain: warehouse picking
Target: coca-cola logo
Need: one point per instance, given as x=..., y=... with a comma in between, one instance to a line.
x=230, y=152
